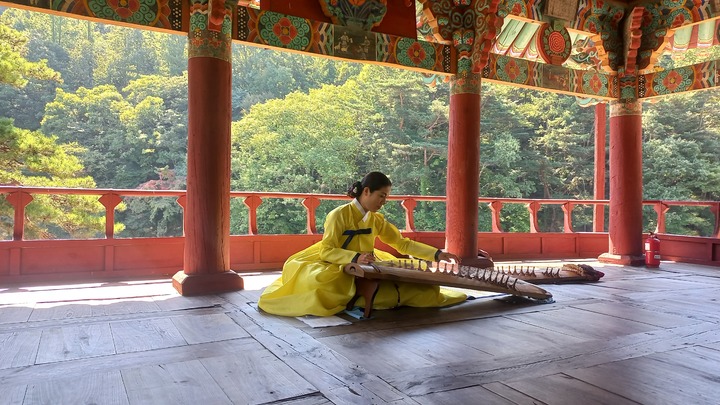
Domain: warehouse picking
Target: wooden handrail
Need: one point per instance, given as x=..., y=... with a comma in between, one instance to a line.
x=20, y=196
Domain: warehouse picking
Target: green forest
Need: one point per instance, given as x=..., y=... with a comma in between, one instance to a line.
x=89, y=105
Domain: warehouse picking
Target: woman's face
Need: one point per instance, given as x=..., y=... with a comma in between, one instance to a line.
x=375, y=200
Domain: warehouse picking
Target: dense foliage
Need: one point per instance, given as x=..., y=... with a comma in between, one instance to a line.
x=92, y=105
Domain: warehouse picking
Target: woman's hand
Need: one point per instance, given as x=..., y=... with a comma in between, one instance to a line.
x=366, y=258
x=447, y=256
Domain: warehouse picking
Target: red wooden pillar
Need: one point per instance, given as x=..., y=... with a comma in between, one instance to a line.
x=625, y=233
x=206, y=266
x=463, y=171
x=600, y=128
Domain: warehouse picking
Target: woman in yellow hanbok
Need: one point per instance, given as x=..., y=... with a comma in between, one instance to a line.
x=313, y=281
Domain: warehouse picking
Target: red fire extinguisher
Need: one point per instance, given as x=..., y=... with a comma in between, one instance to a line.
x=652, y=251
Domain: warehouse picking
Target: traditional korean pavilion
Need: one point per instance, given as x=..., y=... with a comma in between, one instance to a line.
x=602, y=52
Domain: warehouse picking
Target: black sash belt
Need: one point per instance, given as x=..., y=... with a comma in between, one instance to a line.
x=351, y=234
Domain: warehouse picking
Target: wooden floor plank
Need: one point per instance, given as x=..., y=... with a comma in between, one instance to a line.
x=470, y=395
x=75, y=342
x=564, y=293
x=52, y=323
x=656, y=284
x=682, y=306
x=714, y=346
x=388, y=355
x=512, y=394
x=89, y=291
x=175, y=302
x=256, y=377
x=45, y=311
x=647, y=380
x=175, y=383
x=15, y=313
x=18, y=349
x=502, y=336
x=338, y=379
x=14, y=395
x=479, y=349
x=615, y=272
x=634, y=313
x=698, y=362
x=96, y=388
x=561, y=389
x=707, y=271
x=317, y=399
x=707, y=301
x=705, y=279
x=207, y=328
x=385, y=392
x=81, y=367
x=548, y=361
x=582, y=324
x=124, y=306
x=435, y=347
x=682, y=295
x=146, y=334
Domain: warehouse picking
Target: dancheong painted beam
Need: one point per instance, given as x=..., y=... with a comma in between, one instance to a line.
x=598, y=20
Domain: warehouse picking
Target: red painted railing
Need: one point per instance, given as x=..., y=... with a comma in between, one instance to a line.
x=19, y=257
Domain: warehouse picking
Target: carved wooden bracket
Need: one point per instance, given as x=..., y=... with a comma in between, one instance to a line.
x=495, y=208
x=252, y=202
x=633, y=38
x=311, y=204
x=19, y=200
x=409, y=206
x=110, y=201
x=356, y=14
x=533, y=208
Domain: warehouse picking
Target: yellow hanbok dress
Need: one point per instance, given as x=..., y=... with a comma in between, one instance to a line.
x=313, y=281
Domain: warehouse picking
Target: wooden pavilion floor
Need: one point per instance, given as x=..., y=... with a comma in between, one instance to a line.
x=638, y=336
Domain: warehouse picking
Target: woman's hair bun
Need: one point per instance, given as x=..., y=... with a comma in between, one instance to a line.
x=355, y=189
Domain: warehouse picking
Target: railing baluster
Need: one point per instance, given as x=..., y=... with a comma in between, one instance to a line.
x=495, y=208
x=311, y=204
x=252, y=202
x=533, y=208
x=660, y=209
x=182, y=200
x=110, y=201
x=567, y=217
x=19, y=200
x=716, y=210
x=598, y=217
x=409, y=205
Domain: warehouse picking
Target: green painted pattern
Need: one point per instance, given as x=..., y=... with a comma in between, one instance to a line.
x=409, y=52
x=594, y=83
x=673, y=81
x=284, y=31
x=512, y=70
x=142, y=12
x=204, y=43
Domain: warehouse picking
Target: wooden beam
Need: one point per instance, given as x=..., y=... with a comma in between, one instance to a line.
x=679, y=80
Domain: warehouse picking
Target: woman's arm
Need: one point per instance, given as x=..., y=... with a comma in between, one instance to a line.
x=392, y=236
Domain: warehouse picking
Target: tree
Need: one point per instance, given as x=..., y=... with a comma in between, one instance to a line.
x=303, y=143
x=680, y=162
x=138, y=142
x=15, y=69
x=33, y=159
x=91, y=117
x=25, y=85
